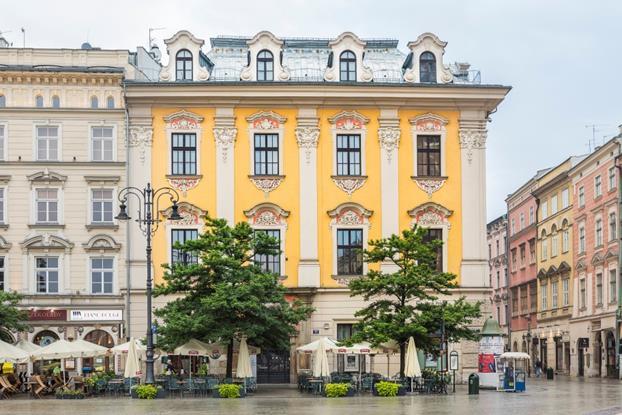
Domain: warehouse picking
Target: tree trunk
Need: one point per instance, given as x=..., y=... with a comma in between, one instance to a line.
x=402, y=358
x=229, y=373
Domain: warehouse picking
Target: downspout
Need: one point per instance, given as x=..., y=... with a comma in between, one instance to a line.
x=618, y=164
x=506, y=276
x=128, y=240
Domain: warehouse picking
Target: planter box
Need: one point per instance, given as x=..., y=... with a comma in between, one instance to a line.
x=216, y=394
x=162, y=393
x=351, y=392
x=401, y=391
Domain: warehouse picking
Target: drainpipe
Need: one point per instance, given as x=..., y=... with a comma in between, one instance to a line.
x=618, y=164
x=506, y=276
x=128, y=240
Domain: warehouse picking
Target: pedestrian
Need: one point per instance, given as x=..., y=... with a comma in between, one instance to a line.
x=538, y=366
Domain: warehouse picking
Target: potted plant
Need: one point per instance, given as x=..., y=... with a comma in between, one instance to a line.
x=228, y=390
x=147, y=392
x=388, y=389
x=338, y=390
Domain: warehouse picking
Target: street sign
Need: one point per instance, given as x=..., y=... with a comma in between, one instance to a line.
x=453, y=360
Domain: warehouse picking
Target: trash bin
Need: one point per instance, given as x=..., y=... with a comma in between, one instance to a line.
x=473, y=384
x=549, y=373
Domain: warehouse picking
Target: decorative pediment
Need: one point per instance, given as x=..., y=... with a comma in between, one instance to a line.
x=350, y=214
x=597, y=258
x=563, y=267
x=47, y=177
x=349, y=120
x=427, y=38
x=430, y=214
x=267, y=41
x=184, y=183
x=266, y=120
x=427, y=42
x=541, y=273
x=190, y=214
x=551, y=271
x=265, y=36
x=349, y=38
x=581, y=265
x=183, y=120
x=46, y=242
x=611, y=255
x=4, y=245
x=184, y=40
x=267, y=214
x=184, y=35
x=101, y=243
x=428, y=123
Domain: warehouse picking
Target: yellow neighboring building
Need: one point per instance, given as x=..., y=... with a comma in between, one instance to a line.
x=554, y=197
x=325, y=144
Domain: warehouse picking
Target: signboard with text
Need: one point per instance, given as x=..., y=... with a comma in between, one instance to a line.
x=96, y=315
x=47, y=315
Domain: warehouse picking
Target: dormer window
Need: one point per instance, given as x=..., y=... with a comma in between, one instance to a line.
x=183, y=65
x=427, y=67
x=347, y=66
x=265, y=66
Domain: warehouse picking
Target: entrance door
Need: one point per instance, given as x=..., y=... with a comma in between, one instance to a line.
x=611, y=355
x=581, y=358
x=543, y=354
x=273, y=367
x=559, y=364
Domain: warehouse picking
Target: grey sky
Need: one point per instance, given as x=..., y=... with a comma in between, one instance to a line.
x=561, y=57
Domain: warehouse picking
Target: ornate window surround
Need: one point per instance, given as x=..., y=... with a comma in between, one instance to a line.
x=428, y=42
x=348, y=41
x=266, y=122
x=348, y=215
x=192, y=218
x=183, y=40
x=270, y=216
x=185, y=122
x=265, y=40
x=46, y=245
x=433, y=216
x=349, y=122
x=429, y=124
x=47, y=180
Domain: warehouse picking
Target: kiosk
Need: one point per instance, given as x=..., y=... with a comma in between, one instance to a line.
x=511, y=371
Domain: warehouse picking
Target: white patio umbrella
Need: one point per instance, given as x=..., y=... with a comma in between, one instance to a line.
x=63, y=349
x=320, y=361
x=132, y=364
x=10, y=353
x=244, y=369
x=27, y=346
x=124, y=348
x=329, y=346
x=411, y=366
x=193, y=347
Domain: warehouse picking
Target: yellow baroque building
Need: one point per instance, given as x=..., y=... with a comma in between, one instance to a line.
x=325, y=144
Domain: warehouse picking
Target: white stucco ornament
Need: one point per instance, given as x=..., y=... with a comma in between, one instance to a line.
x=225, y=140
x=184, y=183
x=349, y=184
x=472, y=139
x=307, y=138
x=141, y=137
x=429, y=184
x=389, y=138
x=266, y=184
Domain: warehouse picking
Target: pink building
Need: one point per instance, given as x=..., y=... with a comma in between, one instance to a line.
x=595, y=277
x=498, y=270
x=522, y=265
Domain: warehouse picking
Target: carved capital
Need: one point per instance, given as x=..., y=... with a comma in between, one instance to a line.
x=225, y=140
x=349, y=184
x=141, y=137
x=307, y=138
x=389, y=138
x=472, y=139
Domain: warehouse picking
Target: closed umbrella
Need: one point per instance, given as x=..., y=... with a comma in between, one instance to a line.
x=132, y=364
x=411, y=367
x=244, y=362
x=320, y=362
x=10, y=353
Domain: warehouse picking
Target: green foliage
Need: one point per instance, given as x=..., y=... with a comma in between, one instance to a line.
x=146, y=391
x=203, y=370
x=229, y=391
x=387, y=388
x=225, y=295
x=435, y=375
x=12, y=318
x=90, y=382
x=336, y=390
x=69, y=393
x=405, y=303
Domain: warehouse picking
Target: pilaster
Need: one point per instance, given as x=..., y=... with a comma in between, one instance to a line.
x=225, y=135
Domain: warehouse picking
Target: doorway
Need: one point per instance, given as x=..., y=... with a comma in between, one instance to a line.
x=581, y=361
x=610, y=344
x=273, y=367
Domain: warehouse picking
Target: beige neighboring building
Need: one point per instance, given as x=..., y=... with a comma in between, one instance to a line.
x=62, y=161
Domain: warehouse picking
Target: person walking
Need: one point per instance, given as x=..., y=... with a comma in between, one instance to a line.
x=538, y=366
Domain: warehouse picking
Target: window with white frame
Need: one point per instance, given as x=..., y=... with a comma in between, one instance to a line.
x=110, y=103
x=39, y=101
x=46, y=201
x=522, y=221
x=102, y=143
x=598, y=191
x=2, y=274
x=545, y=248
x=2, y=205
x=47, y=143
x=532, y=217
x=554, y=245
x=582, y=293
x=429, y=155
x=613, y=284
x=55, y=101
x=184, y=154
x=565, y=240
x=599, y=289
x=553, y=204
x=598, y=229
x=102, y=206
x=554, y=294
x=613, y=226
x=102, y=275
x=612, y=178
x=2, y=142
x=436, y=235
x=270, y=263
x=94, y=102
x=581, y=239
x=565, y=198
x=581, y=196
x=178, y=255
x=349, y=155
x=565, y=292
x=349, y=251
x=266, y=154
x=544, y=303
x=46, y=273
x=545, y=209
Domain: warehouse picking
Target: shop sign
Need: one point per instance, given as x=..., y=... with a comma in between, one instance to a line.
x=584, y=342
x=47, y=315
x=96, y=315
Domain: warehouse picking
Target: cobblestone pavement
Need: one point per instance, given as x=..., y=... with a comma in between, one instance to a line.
x=562, y=396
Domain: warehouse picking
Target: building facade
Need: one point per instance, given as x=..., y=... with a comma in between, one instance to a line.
x=596, y=268
x=522, y=265
x=498, y=275
x=554, y=197
x=324, y=144
x=62, y=160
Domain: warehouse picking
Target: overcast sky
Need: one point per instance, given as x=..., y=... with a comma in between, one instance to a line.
x=562, y=58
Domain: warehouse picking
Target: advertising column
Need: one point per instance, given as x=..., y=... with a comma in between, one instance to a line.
x=490, y=347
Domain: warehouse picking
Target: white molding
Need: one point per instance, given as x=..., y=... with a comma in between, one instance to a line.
x=5, y=206
x=5, y=124
x=266, y=216
x=266, y=122
x=349, y=122
x=60, y=204
x=348, y=216
x=170, y=226
x=431, y=215
x=265, y=40
x=114, y=139
x=429, y=124
x=183, y=39
x=343, y=42
x=183, y=122
x=35, y=147
x=140, y=136
x=389, y=140
x=225, y=136
x=89, y=209
x=115, y=271
x=428, y=42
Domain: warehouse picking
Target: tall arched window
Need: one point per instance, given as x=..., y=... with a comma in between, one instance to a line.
x=427, y=67
x=55, y=101
x=44, y=338
x=110, y=103
x=183, y=65
x=2, y=101
x=347, y=66
x=265, y=66
x=101, y=338
x=94, y=102
x=39, y=101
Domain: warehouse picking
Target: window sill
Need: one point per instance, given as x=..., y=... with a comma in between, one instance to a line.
x=183, y=183
x=266, y=183
x=46, y=226
x=345, y=279
x=4, y=226
x=349, y=184
x=112, y=226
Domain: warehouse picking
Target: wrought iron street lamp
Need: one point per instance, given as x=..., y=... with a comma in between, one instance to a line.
x=148, y=222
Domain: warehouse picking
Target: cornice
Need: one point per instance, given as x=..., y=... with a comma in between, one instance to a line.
x=61, y=78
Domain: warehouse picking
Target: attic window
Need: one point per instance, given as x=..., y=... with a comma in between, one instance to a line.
x=265, y=66
x=347, y=66
x=427, y=67
x=183, y=65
